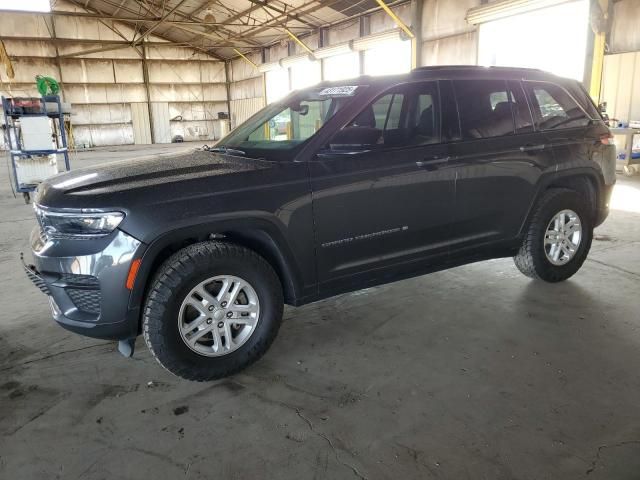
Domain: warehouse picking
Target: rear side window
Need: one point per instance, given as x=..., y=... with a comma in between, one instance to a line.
x=553, y=107
x=484, y=107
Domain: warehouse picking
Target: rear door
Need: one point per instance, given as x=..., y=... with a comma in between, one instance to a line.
x=560, y=118
x=383, y=191
x=498, y=160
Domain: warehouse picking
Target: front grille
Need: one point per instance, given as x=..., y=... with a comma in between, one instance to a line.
x=85, y=300
x=72, y=279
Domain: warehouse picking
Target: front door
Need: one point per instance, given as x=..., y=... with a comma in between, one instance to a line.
x=383, y=191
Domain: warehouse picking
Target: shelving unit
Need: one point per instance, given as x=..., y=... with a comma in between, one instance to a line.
x=13, y=133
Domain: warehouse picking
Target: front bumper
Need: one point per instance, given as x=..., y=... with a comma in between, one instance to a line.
x=85, y=281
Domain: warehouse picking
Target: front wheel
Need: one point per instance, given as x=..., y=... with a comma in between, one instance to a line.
x=213, y=309
x=559, y=237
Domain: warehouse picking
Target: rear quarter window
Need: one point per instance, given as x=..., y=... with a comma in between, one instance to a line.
x=553, y=108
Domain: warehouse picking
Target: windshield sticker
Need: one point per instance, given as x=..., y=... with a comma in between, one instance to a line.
x=343, y=91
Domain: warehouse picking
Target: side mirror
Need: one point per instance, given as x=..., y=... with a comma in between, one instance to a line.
x=300, y=109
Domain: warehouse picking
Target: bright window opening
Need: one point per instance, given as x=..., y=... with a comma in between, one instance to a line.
x=277, y=84
x=29, y=5
x=342, y=67
x=552, y=39
x=304, y=74
x=388, y=58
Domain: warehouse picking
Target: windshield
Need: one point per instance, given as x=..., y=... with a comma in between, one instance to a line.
x=281, y=127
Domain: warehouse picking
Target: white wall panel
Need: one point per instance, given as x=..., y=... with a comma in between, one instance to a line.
x=344, y=33
x=250, y=88
x=128, y=71
x=214, y=92
x=29, y=48
x=140, y=123
x=242, y=70
x=20, y=25
x=102, y=135
x=621, y=86
x=173, y=72
x=87, y=71
x=243, y=109
x=625, y=31
x=26, y=69
x=459, y=50
x=161, y=122
x=101, y=114
x=175, y=93
x=212, y=72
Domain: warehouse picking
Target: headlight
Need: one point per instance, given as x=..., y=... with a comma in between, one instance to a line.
x=80, y=224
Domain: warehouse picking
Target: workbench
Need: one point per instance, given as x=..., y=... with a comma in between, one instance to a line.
x=630, y=165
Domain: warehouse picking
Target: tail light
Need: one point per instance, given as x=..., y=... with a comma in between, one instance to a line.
x=606, y=138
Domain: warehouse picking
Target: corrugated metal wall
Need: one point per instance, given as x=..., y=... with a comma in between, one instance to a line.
x=246, y=89
x=447, y=37
x=103, y=86
x=621, y=86
x=625, y=27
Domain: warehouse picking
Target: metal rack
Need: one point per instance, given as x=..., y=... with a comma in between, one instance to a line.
x=12, y=117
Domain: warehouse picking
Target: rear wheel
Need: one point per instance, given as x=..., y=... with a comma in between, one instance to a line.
x=213, y=309
x=558, y=238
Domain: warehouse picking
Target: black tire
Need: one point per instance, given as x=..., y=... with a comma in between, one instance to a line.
x=532, y=260
x=174, y=280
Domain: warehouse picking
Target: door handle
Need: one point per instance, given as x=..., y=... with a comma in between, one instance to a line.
x=431, y=164
x=532, y=148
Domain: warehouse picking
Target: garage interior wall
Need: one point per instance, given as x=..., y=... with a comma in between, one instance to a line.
x=291, y=67
x=106, y=88
x=621, y=73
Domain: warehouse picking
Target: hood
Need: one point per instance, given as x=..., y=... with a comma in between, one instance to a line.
x=126, y=176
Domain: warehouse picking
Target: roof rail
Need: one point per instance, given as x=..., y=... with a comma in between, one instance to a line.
x=432, y=68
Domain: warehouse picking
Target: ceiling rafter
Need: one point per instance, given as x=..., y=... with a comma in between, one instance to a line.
x=222, y=29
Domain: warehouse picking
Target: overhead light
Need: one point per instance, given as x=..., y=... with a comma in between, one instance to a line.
x=289, y=61
x=376, y=39
x=209, y=17
x=334, y=50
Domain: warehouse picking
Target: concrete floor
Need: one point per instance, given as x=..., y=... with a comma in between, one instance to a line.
x=476, y=372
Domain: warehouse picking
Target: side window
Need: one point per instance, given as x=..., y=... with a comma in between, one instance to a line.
x=553, y=107
x=423, y=127
x=381, y=123
x=484, y=108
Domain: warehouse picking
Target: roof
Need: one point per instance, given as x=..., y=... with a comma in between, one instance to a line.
x=217, y=27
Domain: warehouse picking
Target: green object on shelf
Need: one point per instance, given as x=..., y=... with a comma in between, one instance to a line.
x=47, y=85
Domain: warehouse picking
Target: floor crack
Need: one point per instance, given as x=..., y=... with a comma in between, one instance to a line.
x=328, y=440
x=595, y=461
x=47, y=357
x=628, y=272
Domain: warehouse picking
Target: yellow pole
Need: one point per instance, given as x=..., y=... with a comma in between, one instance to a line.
x=597, y=66
x=396, y=19
x=298, y=41
x=244, y=56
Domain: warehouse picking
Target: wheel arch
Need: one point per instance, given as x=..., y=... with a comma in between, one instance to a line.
x=259, y=235
x=586, y=181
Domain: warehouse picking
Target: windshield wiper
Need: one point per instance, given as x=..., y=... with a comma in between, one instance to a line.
x=223, y=149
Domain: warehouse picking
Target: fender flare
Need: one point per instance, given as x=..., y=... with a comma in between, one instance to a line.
x=547, y=179
x=259, y=230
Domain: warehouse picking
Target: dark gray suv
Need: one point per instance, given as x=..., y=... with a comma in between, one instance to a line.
x=337, y=187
